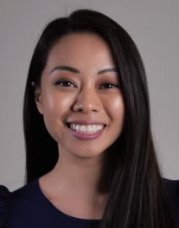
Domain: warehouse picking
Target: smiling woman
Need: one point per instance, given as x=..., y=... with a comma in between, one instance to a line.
x=98, y=116
x=90, y=157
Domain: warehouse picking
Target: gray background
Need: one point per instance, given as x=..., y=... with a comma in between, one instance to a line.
x=154, y=26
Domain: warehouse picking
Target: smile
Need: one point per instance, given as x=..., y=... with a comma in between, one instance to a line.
x=86, y=131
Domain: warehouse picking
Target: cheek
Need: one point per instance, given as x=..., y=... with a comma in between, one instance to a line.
x=118, y=110
x=56, y=104
x=115, y=108
x=56, y=110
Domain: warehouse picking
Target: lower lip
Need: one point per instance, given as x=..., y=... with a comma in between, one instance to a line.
x=86, y=136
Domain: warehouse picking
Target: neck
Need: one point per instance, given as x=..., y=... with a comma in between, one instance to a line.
x=78, y=181
x=81, y=175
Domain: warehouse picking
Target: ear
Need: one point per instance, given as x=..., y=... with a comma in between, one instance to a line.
x=38, y=99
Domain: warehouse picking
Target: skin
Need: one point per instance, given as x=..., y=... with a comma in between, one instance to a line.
x=72, y=186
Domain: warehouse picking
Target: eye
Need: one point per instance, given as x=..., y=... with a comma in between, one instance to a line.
x=65, y=83
x=110, y=85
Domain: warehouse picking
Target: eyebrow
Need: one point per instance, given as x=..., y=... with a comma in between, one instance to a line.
x=74, y=70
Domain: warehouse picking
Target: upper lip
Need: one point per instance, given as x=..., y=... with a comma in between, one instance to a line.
x=85, y=122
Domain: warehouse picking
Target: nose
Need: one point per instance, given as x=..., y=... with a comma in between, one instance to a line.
x=87, y=100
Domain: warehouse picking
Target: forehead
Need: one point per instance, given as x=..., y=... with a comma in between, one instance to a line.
x=77, y=47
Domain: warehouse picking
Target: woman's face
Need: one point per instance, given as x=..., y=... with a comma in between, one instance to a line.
x=80, y=86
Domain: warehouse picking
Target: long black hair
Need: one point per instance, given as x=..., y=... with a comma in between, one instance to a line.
x=137, y=194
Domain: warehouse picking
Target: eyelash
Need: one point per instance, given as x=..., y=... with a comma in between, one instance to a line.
x=66, y=81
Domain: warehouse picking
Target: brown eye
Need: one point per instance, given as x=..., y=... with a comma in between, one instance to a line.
x=110, y=85
x=65, y=83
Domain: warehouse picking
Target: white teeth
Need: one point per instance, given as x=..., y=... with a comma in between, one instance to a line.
x=87, y=129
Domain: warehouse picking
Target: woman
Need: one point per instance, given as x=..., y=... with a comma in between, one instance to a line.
x=90, y=157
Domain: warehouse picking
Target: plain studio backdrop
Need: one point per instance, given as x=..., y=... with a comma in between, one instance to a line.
x=154, y=26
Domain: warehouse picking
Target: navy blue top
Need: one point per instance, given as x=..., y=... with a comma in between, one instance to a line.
x=30, y=208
